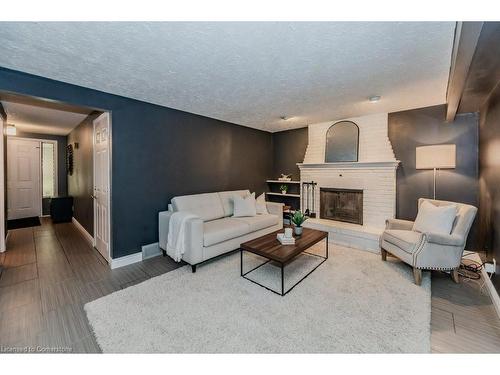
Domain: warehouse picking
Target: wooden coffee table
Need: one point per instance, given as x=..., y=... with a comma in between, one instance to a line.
x=270, y=248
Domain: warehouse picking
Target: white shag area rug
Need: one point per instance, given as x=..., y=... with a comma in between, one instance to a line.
x=352, y=303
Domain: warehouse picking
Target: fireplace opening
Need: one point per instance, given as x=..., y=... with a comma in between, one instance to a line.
x=341, y=205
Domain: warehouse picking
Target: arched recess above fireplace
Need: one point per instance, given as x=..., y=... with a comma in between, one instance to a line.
x=342, y=142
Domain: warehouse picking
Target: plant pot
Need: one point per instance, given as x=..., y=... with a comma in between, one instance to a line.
x=283, y=192
x=298, y=231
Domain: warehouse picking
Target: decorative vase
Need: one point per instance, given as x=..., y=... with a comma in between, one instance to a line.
x=298, y=231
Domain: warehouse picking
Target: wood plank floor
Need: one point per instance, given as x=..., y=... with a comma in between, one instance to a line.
x=49, y=272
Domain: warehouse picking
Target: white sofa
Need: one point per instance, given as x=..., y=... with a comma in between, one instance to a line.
x=215, y=231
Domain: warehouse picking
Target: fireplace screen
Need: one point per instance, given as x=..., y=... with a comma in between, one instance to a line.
x=341, y=205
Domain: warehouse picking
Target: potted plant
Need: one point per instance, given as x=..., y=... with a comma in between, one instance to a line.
x=298, y=219
x=284, y=189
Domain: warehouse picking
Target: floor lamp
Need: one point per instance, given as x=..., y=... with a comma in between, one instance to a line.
x=436, y=157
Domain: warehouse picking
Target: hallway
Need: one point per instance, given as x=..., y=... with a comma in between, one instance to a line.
x=49, y=273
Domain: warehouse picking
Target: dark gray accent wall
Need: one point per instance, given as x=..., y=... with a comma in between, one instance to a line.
x=489, y=180
x=484, y=72
x=289, y=149
x=158, y=153
x=81, y=182
x=427, y=126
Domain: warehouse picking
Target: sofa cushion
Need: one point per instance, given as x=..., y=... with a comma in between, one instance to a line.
x=260, y=204
x=259, y=222
x=244, y=207
x=434, y=219
x=224, y=229
x=226, y=198
x=406, y=240
x=207, y=206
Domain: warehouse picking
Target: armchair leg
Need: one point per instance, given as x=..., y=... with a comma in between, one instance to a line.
x=164, y=253
x=417, y=274
x=384, y=254
x=454, y=276
x=193, y=268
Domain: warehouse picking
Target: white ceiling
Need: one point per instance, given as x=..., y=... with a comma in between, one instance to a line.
x=246, y=73
x=41, y=120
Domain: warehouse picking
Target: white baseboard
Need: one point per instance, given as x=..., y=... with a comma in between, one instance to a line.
x=83, y=231
x=151, y=250
x=126, y=260
x=3, y=248
x=495, y=298
x=148, y=251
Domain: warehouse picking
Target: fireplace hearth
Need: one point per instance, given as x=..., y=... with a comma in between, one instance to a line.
x=342, y=205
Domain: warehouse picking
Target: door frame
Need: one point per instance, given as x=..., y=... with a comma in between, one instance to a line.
x=110, y=183
x=56, y=162
x=2, y=187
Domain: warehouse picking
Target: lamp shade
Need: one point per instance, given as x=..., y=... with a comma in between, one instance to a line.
x=436, y=156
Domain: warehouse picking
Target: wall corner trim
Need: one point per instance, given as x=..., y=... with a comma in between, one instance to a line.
x=126, y=260
x=83, y=231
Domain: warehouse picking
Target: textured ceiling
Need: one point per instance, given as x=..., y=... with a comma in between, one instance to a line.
x=246, y=73
x=40, y=119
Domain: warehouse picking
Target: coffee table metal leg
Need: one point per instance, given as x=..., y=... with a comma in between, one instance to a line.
x=282, y=280
x=241, y=262
x=326, y=246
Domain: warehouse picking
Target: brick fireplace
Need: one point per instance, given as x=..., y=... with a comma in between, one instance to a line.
x=367, y=187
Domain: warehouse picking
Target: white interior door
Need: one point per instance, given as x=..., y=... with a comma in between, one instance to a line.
x=23, y=179
x=101, y=185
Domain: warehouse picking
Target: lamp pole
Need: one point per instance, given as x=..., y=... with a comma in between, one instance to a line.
x=435, y=183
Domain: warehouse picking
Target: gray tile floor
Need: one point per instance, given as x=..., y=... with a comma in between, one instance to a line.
x=49, y=272
x=463, y=319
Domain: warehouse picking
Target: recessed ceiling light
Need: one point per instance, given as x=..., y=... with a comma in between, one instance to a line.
x=374, y=98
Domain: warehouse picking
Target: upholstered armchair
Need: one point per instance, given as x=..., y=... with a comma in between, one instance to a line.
x=429, y=251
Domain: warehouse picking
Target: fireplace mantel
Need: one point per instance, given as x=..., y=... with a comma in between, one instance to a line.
x=350, y=165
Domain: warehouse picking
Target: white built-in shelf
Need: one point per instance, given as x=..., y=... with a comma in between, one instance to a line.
x=283, y=182
x=285, y=195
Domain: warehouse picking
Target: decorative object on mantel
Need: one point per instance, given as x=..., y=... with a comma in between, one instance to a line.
x=285, y=177
x=298, y=219
x=69, y=159
x=309, y=190
x=283, y=189
x=435, y=157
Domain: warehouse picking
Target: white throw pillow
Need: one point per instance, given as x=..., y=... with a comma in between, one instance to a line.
x=434, y=219
x=244, y=206
x=260, y=204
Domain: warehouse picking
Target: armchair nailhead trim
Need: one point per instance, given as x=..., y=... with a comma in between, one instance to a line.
x=437, y=268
